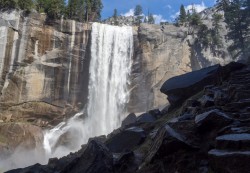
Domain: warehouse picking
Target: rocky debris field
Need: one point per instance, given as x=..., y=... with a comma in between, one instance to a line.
x=206, y=129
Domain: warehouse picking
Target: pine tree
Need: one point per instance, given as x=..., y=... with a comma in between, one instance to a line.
x=222, y=4
x=8, y=4
x=81, y=8
x=40, y=5
x=195, y=19
x=238, y=26
x=72, y=9
x=53, y=8
x=115, y=16
x=138, y=14
x=246, y=16
x=138, y=10
x=215, y=34
x=151, y=19
x=115, y=13
x=96, y=10
x=25, y=4
x=183, y=15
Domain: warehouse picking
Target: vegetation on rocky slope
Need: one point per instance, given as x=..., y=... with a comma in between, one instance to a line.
x=235, y=14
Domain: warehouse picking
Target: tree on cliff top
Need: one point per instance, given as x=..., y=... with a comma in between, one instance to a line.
x=138, y=14
x=25, y=4
x=6, y=4
x=72, y=9
x=237, y=17
x=183, y=15
x=53, y=8
x=115, y=16
x=151, y=19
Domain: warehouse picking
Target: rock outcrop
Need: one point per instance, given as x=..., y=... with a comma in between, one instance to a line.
x=43, y=67
x=43, y=75
x=192, y=137
x=165, y=51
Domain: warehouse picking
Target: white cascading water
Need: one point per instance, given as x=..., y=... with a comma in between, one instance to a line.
x=111, y=59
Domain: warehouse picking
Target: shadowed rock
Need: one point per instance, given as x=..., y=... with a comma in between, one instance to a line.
x=233, y=141
x=212, y=120
x=146, y=118
x=182, y=87
x=130, y=119
x=126, y=140
x=229, y=161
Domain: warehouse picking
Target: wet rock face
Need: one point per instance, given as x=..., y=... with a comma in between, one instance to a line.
x=24, y=136
x=43, y=75
x=43, y=62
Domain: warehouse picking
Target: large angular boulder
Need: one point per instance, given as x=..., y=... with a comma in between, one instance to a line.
x=95, y=158
x=229, y=161
x=130, y=119
x=181, y=87
x=126, y=140
x=239, y=141
x=146, y=118
x=168, y=140
x=212, y=120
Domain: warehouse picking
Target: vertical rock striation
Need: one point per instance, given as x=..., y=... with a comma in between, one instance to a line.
x=162, y=52
x=43, y=62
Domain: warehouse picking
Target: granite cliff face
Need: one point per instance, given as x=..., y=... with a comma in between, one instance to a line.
x=43, y=76
x=162, y=52
x=43, y=66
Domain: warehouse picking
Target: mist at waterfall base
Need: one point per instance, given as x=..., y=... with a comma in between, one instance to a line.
x=111, y=59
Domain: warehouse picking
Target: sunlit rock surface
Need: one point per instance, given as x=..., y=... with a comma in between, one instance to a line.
x=44, y=69
x=44, y=65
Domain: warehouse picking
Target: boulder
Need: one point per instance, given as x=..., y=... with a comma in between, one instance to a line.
x=146, y=118
x=168, y=141
x=229, y=161
x=233, y=141
x=181, y=87
x=212, y=120
x=206, y=101
x=130, y=119
x=126, y=140
x=186, y=116
x=37, y=168
x=125, y=162
x=156, y=113
x=95, y=158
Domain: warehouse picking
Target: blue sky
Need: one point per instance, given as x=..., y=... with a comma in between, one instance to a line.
x=162, y=9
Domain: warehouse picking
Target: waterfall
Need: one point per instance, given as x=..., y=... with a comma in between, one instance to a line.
x=111, y=53
x=111, y=59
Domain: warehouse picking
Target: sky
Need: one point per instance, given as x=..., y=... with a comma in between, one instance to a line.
x=163, y=10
